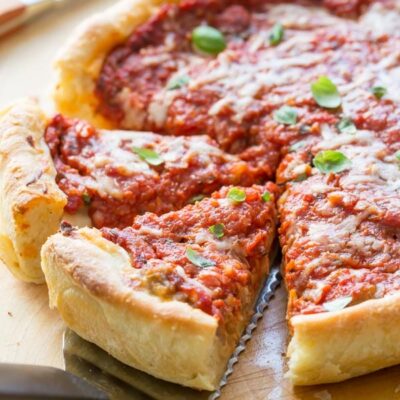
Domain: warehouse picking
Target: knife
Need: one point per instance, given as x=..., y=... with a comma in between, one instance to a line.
x=25, y=382
x=14, y=13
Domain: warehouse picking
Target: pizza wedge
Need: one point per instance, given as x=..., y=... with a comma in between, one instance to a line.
x=53, y=168
x=340, y=226
x=31, y=204
x=172, y=294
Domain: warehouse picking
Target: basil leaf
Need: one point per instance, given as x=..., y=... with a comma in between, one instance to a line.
x=325, y=93
x=266, y=196
x=196, y=198
x=148, y=155
x=346, y=125
x=86, y=198
x=338, y=304
x=218, y=230
x=208, y=40
x=286, y=115
x=177, y=82
x=378, y=91
x=237, y=195
x=276, y=35
x=331, y=161
x=195, y=258
x=397, y=155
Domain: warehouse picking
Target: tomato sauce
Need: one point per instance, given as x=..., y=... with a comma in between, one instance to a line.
x=157, y=246
x=100, y=170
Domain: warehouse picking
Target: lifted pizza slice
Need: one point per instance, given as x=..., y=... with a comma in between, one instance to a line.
x=172, y=294
x=62, y=168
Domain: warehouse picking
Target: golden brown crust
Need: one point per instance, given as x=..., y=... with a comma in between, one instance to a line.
x=334, y=346
x=31, y=204
x=79, y=62
x=88, y=280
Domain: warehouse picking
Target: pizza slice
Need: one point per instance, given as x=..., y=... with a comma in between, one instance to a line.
x=340, y=226
x=63, y=168
x=171, y=294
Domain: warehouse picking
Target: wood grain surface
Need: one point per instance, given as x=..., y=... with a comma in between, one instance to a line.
x=32, y=333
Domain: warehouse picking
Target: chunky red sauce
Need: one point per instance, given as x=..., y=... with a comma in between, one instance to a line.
x=157, y=246
x=101, y=169
x=232, y=97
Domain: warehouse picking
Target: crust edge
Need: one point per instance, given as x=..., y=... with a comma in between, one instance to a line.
x=31, y=204
x=335, y=346
x=88, y=281
x=80, y=60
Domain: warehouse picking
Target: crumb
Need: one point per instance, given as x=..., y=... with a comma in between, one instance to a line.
x=10, y=313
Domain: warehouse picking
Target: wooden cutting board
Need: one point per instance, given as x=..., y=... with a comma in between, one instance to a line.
x=32, y=333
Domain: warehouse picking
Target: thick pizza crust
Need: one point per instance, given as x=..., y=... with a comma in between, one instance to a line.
x=335, y=346
x=80, y=60
x=31, y=204
x=88, y=280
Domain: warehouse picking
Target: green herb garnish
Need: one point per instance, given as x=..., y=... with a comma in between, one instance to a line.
x=331, y=161
x=86, y=199
x=177, y=82
x=148, y=155
x=276, y=35
x=237, y=195
x=286, y=115
x=305, y=129
x=208, y=40
x=195, y=258
x=378, y=91
x=301, y=177
x=218, y=230
x=325, y=93
x=196, y=198
x=266, y=196
x=346, y=125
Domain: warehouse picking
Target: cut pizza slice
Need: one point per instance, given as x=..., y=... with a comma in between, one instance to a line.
x=172, y=294
x=61, y=168
x=340, y=227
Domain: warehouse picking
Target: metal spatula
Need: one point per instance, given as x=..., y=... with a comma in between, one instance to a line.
x=23, y=382
x=14, y=13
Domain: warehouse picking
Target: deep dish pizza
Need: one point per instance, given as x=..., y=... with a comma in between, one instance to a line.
x=235, y=92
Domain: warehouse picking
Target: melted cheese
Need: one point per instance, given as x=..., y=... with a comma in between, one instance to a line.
x=115, y=149
x=224, y=244
x=382, y=20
